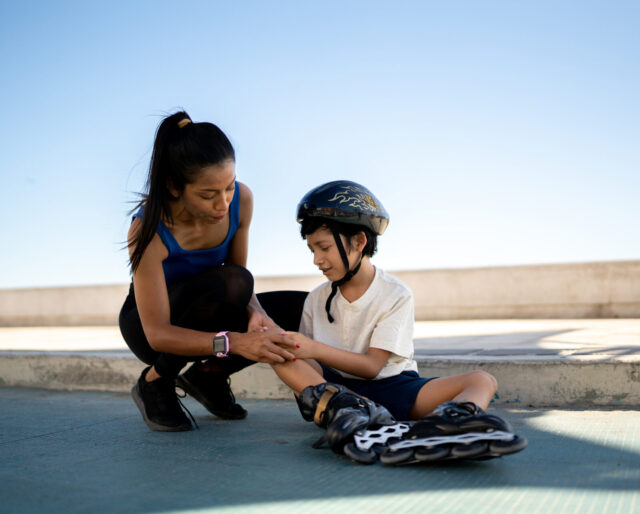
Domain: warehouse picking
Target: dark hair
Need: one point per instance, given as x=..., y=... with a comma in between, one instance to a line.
x=310, y=224
x=180, y=150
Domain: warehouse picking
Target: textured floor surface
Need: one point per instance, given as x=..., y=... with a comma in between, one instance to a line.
x=91, y=452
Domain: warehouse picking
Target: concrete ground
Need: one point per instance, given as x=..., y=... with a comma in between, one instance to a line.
x=89, y=451
x=78, y=452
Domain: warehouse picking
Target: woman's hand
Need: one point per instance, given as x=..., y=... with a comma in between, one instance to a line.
x=259, y=321
x=261, y=346
x=301, y=346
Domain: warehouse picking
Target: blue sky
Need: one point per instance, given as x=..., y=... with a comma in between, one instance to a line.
x=495, y=133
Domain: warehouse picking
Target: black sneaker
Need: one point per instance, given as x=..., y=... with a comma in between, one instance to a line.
x=212, y=390
x=159, y=404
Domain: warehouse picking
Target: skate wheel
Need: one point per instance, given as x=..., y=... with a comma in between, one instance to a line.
x=432, y=454
x=397, y=457
x=507, y=447
x=469, y=451
x=361, y=456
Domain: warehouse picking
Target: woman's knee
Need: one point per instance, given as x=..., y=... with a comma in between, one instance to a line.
x=236, y=273
x=238, y=284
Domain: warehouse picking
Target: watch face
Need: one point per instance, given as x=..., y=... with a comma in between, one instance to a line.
x=219, y=344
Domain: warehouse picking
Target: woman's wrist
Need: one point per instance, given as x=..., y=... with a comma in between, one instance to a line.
x=235, y=338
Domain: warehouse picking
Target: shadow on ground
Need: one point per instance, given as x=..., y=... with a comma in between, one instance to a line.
x=81, y=452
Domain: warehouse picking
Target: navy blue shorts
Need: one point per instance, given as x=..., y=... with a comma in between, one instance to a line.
x=397, y=393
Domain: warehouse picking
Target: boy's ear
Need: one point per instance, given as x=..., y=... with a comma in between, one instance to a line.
x=359, y=241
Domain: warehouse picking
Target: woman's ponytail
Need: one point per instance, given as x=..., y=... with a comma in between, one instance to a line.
x=180, y=150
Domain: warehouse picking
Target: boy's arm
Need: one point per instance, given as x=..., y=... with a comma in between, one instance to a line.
x=393, y=335
x=365, y=365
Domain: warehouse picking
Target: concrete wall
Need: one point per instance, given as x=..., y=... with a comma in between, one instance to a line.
x=585, y=290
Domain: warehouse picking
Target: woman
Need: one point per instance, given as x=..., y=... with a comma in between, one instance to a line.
x=191, y=298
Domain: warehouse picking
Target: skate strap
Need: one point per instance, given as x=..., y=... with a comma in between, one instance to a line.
x=329, y=393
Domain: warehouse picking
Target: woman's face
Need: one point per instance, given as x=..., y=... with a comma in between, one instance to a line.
x=209, y=196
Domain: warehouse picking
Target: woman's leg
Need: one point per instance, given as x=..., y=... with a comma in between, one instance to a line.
x=212, y=300
x=477, y=387
x=207, y=382
x=284, y=307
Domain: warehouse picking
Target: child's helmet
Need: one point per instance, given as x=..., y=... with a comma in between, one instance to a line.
x=344, y=201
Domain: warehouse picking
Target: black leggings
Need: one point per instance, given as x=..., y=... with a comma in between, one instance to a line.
x=213, y=300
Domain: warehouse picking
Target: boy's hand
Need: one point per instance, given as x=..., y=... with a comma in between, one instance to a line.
x=300, y=345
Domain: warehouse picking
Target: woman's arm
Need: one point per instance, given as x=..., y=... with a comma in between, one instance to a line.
x=239, y=246
x=152, y=300
x=238, y=251
x=365, y=365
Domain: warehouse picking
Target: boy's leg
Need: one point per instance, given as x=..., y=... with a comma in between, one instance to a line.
x=452, y=423
x=333, y=407
x=477, y=387
x=299, y=374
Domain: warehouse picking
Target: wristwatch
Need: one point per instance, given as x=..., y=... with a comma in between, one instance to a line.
x=221, y=344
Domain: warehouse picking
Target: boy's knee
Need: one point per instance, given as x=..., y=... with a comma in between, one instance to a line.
x=486, y=379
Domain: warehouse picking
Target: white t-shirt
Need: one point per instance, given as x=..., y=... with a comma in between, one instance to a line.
x=381, y=318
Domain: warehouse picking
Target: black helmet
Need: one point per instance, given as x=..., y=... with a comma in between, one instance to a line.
x=344, y=201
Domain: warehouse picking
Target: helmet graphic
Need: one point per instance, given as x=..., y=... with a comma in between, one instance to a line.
x=346, y=202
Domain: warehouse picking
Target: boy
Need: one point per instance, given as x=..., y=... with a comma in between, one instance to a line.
x=355, y=367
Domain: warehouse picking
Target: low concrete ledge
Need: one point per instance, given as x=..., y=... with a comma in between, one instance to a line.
x=536, y=382
x=583, y=290
x=551, y=382
x=90, y=371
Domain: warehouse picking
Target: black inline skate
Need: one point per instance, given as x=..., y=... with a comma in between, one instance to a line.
x=454, y=430
x=343, y=413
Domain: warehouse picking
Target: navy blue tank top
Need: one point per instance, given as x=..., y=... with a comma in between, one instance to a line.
x=182, y=263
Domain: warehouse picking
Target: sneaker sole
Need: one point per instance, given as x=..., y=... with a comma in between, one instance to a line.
x=135, y=394
x=193, y=391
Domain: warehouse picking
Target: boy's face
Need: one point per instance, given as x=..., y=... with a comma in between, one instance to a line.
x=327, y=256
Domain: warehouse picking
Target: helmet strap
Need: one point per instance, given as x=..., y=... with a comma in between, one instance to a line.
x=348, y=275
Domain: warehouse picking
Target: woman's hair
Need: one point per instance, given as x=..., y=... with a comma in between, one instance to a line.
x=310, y=224
x=180, y=150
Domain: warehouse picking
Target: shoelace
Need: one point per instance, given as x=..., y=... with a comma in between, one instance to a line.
x=184, y=407
x=233, y=397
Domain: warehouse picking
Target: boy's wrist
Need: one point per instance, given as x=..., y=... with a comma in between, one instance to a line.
x=319, y=350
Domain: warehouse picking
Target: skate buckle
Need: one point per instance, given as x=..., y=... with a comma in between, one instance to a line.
x=329, y=392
